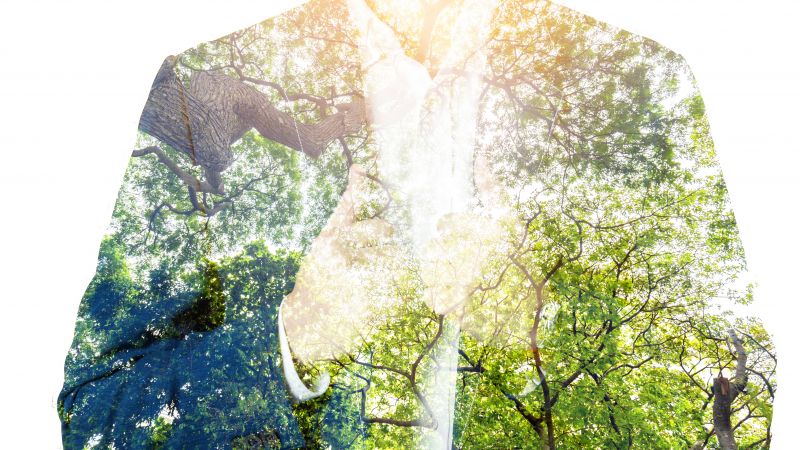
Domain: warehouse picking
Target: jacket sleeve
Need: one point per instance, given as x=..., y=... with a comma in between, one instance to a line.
x=242, y=153
x=169, y=336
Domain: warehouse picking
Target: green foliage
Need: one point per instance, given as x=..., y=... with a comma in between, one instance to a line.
x=190, y=355
x=602, y=325
x=208, y=310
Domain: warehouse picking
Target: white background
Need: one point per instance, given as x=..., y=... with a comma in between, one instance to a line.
x=74, y=77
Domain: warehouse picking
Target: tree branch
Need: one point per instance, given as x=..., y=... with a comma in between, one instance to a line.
x=189, y=179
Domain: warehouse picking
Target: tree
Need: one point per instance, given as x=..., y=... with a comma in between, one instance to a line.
x=597, y=321
x=232, y=139
x=192, y=378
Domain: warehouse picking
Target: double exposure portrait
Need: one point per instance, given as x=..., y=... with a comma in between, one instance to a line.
x=433, y=224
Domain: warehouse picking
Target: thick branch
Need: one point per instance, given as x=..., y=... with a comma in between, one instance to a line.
x=311, y=139
x=740, y=377
x=190, y=124
x=535, y=421
x=725, y=391
x=204, y=119
x=189, y=179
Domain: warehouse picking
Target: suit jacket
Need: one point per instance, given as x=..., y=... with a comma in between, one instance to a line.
x=449, y=224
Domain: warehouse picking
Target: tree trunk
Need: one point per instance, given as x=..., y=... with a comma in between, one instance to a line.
x=543, y=436
x=215, y=110
x=177, y=117
x=722, y=413
x=725, y=392
x=549, y=438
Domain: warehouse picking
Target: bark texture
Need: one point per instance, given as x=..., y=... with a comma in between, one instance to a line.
x=725, y=392
x=203, y=119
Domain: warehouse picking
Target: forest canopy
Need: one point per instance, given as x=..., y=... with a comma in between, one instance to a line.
x=593, y=314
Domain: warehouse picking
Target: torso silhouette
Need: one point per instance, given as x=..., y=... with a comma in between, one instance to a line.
x=443, y=224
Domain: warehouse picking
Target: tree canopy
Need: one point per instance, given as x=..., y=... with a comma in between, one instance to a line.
x=599, y=320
